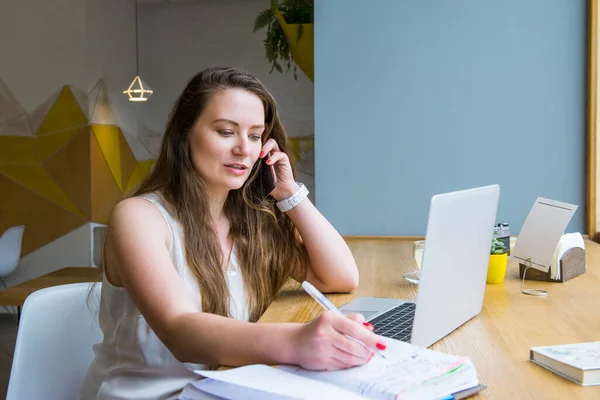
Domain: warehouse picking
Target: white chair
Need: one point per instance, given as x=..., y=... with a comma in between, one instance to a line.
x=10, y=251
x=97, y=239
x=56, y=333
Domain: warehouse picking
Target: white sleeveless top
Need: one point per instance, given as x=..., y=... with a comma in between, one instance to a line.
x=131, y=362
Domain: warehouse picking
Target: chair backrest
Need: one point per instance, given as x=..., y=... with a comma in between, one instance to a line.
x=98, y=237
x=10, y=249
x=57, y=330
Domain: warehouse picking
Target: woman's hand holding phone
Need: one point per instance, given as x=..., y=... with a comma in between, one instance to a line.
x=280, y=168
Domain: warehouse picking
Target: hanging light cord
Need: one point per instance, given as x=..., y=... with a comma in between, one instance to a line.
x=137, y=72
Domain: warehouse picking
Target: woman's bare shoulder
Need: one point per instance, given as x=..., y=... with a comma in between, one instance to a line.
x=139, y=215
x=133, y=208
x=135, y=226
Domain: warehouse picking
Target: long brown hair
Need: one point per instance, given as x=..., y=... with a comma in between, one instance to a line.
x=265, y=238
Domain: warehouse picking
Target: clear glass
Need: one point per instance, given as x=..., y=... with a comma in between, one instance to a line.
x=415, y=276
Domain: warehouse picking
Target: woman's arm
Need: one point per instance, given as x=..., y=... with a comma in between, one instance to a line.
x=138, y=259
x=331, y=264
x=332, y=267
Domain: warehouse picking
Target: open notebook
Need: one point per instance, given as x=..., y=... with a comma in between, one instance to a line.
x=407, y=372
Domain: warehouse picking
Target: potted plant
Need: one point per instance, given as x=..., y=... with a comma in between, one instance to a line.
x=290, y=35
x=498, y=262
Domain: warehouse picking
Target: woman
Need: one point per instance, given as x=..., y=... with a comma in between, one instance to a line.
x=199, y=253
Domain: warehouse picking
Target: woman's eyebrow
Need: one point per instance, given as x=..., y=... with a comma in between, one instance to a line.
x=235, y=123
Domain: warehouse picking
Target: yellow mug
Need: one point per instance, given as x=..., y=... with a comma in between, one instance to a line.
x=497, y=268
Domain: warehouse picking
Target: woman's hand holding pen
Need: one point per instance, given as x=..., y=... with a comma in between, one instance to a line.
x=322, y=344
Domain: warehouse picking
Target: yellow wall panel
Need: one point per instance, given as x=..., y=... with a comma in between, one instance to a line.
x=17, y=150
x=70, y=169
x=141, y=171
x=43, y=220
x=49, y=144
x=104, y=192
x=301, y=145
x=128, y=162
x=64, y=114
x=103, y=218
x=107, y=137
x=38, y=115
x=69, y=173
x=38, y=180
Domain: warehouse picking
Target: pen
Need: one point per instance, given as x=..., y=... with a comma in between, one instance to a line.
x=326, y=304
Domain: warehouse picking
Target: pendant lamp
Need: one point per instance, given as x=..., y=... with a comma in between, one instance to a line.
x=138, y=90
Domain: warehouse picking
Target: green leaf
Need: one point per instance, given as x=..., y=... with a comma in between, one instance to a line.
x=263, y=19
x=277, y=48
x=300, y=31
x=274, y=5
x=498, y=247
x=278, y=67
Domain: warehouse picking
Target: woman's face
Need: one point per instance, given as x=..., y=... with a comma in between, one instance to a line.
x=226, y=140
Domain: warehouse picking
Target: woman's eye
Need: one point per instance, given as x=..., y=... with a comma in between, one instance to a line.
x=225, y=133
x=256, y=137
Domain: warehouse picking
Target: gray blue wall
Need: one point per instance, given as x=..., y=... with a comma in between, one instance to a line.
x=418, y=97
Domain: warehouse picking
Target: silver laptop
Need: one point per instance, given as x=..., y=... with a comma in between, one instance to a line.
x=453, y=271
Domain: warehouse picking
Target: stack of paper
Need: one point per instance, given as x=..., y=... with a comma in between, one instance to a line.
x=407, y=372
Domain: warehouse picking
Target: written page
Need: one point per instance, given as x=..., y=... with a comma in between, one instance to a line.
x=407, y=372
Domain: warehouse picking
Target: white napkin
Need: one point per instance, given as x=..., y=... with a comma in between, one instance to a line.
x=567, y=242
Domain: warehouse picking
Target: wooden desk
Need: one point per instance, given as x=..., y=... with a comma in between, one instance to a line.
x=499, y=338
x=16, y=295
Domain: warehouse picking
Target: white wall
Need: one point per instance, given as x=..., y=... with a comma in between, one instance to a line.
x=43, y=47
x=46, y=45
x=179, y=40
x=111, y=49
x=175, y=42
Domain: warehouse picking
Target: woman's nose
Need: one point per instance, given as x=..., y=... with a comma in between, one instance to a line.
x=242, y=147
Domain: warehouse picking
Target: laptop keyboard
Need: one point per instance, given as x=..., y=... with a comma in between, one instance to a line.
x=396, y=323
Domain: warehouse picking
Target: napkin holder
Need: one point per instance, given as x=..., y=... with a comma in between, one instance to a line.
x=571, y=264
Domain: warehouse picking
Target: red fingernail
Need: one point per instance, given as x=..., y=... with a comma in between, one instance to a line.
x=269, y=161
x=261, y=155
x=368, y=325
x=381, y=345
